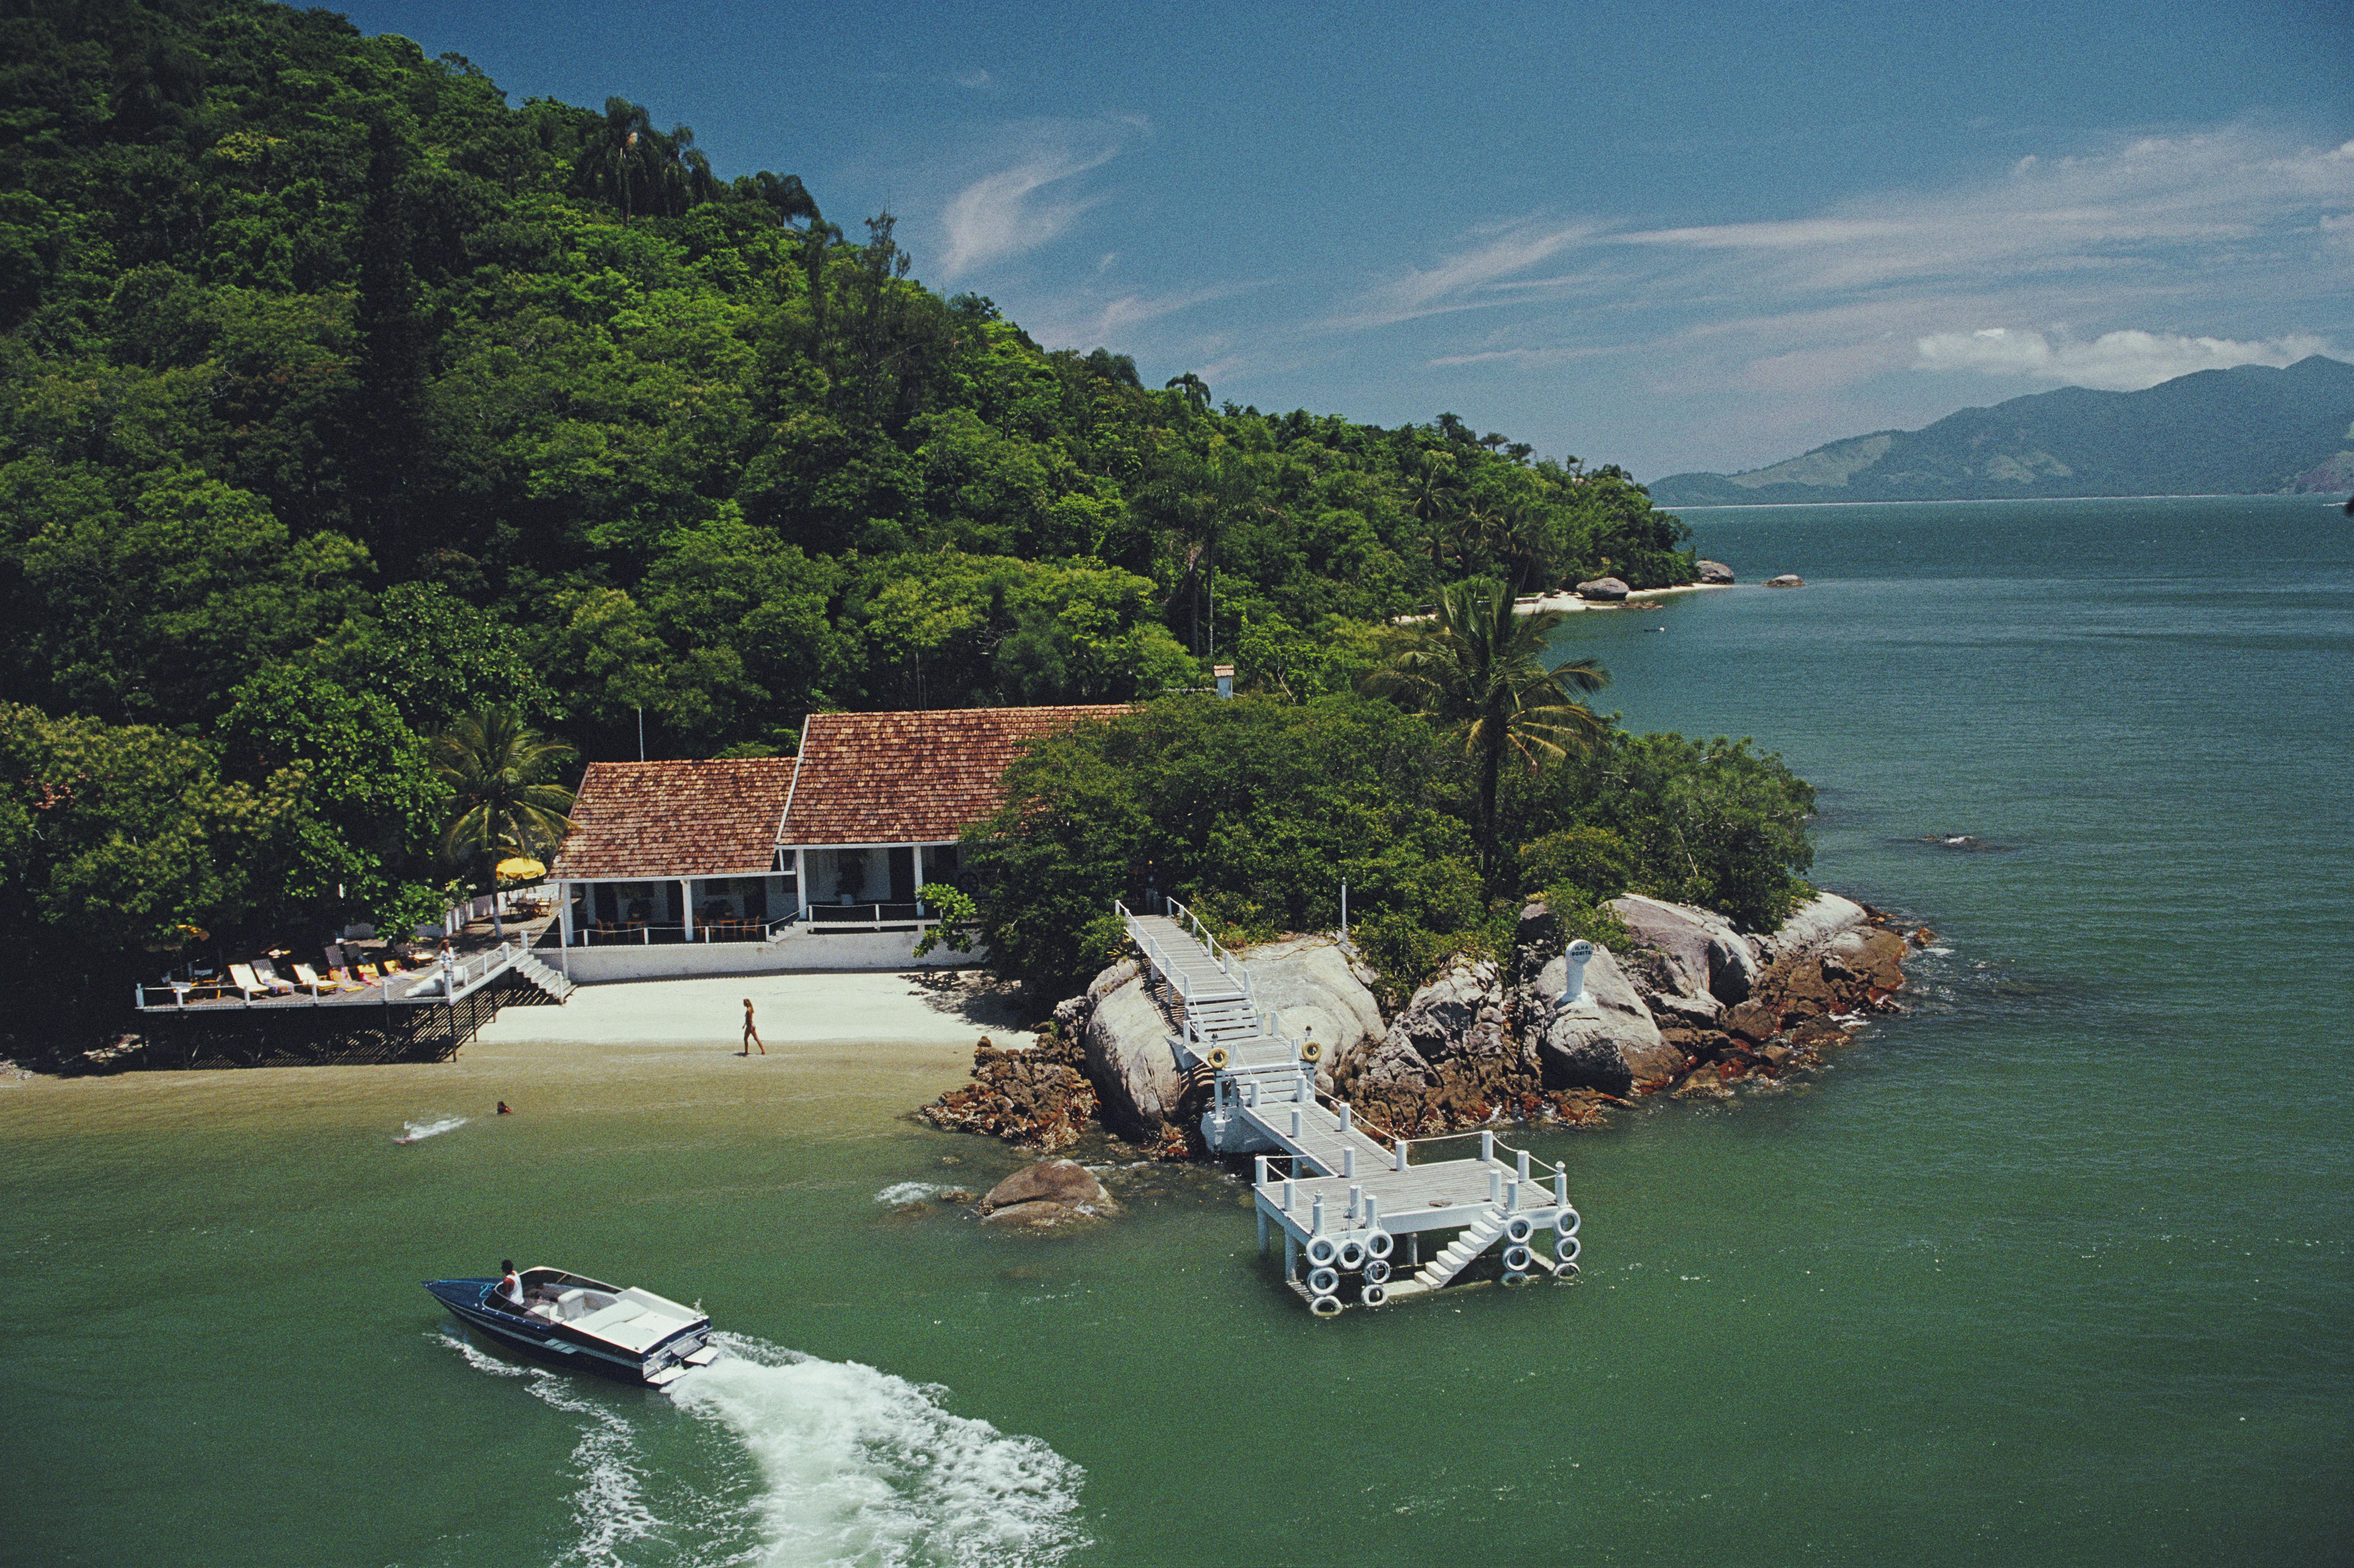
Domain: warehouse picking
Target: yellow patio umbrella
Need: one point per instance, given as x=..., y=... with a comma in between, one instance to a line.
x=519, y=868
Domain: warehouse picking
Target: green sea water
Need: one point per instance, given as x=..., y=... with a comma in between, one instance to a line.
x=2056, y=1268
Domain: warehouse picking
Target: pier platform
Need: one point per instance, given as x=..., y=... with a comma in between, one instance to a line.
x=1352, y=1204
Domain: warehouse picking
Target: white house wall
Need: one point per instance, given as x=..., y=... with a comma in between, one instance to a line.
x=883, y=950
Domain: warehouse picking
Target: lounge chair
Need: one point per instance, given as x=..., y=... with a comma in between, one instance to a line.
x=248, y=983
x=368, y=974
x=266, y=973
x=310, y=981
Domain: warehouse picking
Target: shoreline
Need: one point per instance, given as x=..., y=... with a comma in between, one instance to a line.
x=1568, y=603
x=2326, y=497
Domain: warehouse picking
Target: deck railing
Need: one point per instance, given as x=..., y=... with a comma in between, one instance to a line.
x=435, y=982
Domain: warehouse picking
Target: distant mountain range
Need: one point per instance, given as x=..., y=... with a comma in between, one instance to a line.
x=2247, y=431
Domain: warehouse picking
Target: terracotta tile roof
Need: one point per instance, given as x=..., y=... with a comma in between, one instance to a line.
x=895, y=778
x=677, y=818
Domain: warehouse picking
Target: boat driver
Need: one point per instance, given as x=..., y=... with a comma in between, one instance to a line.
x=510, y=1286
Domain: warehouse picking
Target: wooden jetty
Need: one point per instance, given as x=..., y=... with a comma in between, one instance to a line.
x=1353, y=1207
x=415, y=1015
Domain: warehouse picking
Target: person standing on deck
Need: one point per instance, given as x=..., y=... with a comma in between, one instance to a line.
x=510, y=1288
x=751, y=1035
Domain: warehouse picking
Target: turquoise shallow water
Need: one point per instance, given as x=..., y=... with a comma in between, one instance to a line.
x=2056, y=1268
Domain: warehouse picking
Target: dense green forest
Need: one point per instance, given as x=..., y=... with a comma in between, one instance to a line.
x=340, y=397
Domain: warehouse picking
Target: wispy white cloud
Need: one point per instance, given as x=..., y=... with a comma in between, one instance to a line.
x=2164, y=255
x=1092, y=323
x=1480, y=274
x=1015, y=208
x=975, y=78
x=2123, y=361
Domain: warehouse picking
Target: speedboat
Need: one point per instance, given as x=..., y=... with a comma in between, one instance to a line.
x=619, y=1331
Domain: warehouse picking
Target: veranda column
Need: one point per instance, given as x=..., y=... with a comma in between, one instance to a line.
x=564, y=914
x=918, y=852
x=686, y=906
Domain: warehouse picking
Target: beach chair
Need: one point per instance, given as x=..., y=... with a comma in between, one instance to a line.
x=368, y=974
x=248, y=983
x=266, y=973
x=343, y=974
x=310, y=981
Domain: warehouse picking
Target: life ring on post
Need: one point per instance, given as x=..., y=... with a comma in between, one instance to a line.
x=1322, y=1250
x=1218, y=1058
x=1312, y=1051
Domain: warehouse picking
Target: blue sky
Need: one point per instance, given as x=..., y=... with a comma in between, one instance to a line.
x=1670, y=237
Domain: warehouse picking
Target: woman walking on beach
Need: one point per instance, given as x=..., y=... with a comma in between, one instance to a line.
x=751, y=1035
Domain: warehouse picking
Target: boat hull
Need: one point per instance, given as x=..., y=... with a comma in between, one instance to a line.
x=556, y=1344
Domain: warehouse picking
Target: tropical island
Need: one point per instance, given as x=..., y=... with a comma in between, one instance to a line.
x=373, y=449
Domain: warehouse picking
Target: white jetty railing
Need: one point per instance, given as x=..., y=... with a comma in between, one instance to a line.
x=1350, y=1195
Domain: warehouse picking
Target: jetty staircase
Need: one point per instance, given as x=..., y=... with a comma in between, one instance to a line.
x=1352, y=1206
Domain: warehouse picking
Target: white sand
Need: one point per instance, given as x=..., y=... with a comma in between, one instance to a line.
x=944, y=1009
x=1570, y=603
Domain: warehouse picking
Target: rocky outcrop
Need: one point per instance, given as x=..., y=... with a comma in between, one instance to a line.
x=1690, y=1002
x=1688, y=964
x=1810, y=926
x=1129, y=1060
x=1059, y=1192
x=1714, y=571
x=1037, y=1097
x=1312, y=989
x=1788, y=580
x=1610, y=1041
x=1453, y=1057
x=1606, y=591
x=1306, y=985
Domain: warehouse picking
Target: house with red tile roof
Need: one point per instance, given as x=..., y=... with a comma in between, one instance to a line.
x=811, y=861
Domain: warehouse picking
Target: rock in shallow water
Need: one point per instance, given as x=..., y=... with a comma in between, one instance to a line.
x=1607, y=590
x=1714, y=571
x=1788, y=580
x=1058, y=1192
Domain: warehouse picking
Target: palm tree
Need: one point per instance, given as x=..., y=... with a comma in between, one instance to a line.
x=1477, y=668
x=498, y=768
x=1195, y=393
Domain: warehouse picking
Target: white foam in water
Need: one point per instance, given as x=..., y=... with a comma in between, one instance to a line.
x=859, y=1467
x=901, y=1193
x=412, y=1131
x=609, y=1507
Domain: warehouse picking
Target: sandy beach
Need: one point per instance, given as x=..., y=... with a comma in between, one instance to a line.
x=851, y=1052
x=1569, y=602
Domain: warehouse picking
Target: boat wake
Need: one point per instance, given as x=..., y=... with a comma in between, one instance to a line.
x=839, y=1463
x=862, y=1466
x=418, y=1131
